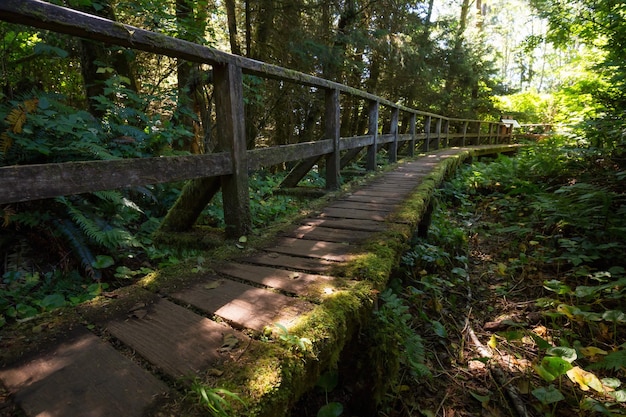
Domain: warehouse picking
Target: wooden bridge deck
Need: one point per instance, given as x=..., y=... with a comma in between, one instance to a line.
x=129, y=366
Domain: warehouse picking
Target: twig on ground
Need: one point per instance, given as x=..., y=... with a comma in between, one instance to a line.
x=497, y=372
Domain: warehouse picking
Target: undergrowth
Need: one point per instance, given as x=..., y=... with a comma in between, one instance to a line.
x=526, y=254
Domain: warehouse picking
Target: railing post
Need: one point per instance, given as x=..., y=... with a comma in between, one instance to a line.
x=446, y=133
x=373, y=131
x=465, y=126
x=332, y=124
x=427, y=122
x=412, y=127
x=438, y=133
x=478, y=127
x=231, y=131
x=393, y=129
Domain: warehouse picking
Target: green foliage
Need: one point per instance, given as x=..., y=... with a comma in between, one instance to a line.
x=217, y=401
x=293, y=342
x=395, y=321
x=24, y=295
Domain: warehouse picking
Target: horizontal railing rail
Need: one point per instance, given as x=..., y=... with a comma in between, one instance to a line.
x=232, y=161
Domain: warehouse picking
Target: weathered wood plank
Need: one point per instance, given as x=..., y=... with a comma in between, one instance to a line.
x=373, y=199
x=174, y=339
x=299, y=283
x=265, y=157
x=327, y=234
x=372, y=129
x=82, y=377
x=375, y=215
x=32, y=182
x=393, y=131
x=243, y=305
x=331, y=251
x=229, y=109
x=349, y=224
x=368, y=206
x=316, y=265
x=355, y=142
x=332, y=124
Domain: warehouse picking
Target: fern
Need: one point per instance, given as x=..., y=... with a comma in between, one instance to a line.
x=395, y=314
x=615, y=361
x=76, y=239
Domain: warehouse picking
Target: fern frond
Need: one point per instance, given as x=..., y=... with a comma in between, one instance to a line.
x=77, y=241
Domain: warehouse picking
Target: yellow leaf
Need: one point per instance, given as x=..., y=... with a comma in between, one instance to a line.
x=591, y=351
x=492, y=343
x=584, y=379
x=17, y=118
x=5, y=142
x=31, y=105
x=501, y=269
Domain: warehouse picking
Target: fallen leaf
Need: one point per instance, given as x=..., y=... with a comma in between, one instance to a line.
x=585, y=380
x=215, y=372
x=229, y=343
x=213, y=284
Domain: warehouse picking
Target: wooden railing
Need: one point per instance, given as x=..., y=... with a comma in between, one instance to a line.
x=232, y=161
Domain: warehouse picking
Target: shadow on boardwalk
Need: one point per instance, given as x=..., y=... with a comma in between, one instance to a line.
x=317, y=280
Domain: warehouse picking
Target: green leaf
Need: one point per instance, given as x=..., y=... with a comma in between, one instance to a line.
x=462, y=272
x=563, y=352
x=611, y=382
x=541, y=342
x=552, y=367
x=439, y=329
x=331, y=410
x=52, y=301
x=25, y=311
x=549, y=395
x=102, y=261
x=619, y=396
x=328, y=381
x=614, y=316
x=483, y=399
x=557, y=286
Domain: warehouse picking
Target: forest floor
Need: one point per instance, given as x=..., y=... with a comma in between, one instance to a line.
x=475, y=370
x=517, y=294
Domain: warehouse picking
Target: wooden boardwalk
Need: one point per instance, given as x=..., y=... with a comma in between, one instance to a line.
x=129, y=367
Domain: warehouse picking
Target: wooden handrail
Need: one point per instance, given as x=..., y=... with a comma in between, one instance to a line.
x=232, y=162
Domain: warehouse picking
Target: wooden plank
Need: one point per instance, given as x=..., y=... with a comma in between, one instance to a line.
x=371, y=199
x=82, y=377
x=354, y=214
x=355, y=142
x=299, y=283
x=349, y=224
x=382, y=192
x=332, y=124
x=265, y=157
x=372, y=129
x=176, y=340
x=243, y=305
x=231, y=133
x=327, y=234
x=393, y=130
x=365, y=206
x=292, y=262
x=32, y=182
x=330, y=251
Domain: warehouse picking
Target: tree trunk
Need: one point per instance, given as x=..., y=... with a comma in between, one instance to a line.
x=232, y=26
x=92, y=57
